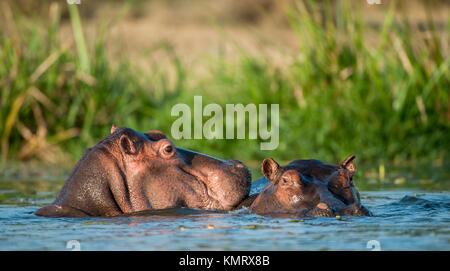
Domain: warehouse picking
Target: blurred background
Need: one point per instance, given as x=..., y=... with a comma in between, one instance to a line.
x=350, y=77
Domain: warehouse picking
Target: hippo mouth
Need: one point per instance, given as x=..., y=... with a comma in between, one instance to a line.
x=208, y=202
x=209, y=187
x=345, y=195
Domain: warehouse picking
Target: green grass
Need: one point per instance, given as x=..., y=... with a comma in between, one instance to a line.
x=386, y=101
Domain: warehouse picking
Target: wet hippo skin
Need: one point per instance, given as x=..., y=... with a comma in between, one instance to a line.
x=306, y=188
x=129, y=172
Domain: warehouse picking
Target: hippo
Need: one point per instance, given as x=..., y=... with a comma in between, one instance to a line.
x=289, y=192
x=339, y=178
x=130, y=171
x=307, y=188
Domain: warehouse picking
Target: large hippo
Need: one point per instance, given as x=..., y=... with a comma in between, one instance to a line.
x=129, y=171
x=306, y=188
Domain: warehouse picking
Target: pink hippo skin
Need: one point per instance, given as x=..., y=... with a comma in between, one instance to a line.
x=129, y=171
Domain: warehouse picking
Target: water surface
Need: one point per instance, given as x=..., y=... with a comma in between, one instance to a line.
x=404, y=220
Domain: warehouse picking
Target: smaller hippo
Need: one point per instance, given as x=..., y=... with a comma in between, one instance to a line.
x=339, y=178
x=292, y=192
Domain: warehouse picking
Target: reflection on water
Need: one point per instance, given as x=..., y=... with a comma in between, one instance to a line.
x=407, y=220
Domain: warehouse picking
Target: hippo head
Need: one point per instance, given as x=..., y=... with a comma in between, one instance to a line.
x=202, y=181
x=130, y=171
x=308, y=188
x=339, y=177
x=340, y=181
x=288, y=191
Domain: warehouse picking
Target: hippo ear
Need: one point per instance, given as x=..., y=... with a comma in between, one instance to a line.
x=156, y=135
x=113, y=128
x=127, y=145
x=270, y=168
x=349, y=164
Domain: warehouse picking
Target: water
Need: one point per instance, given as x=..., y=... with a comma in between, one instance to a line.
x=404, y=220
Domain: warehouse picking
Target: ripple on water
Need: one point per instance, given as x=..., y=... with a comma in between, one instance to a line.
x=403, y=220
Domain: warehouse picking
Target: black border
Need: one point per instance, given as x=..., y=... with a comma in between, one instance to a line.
x=169, y=260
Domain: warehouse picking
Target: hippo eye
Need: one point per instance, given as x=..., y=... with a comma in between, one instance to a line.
x=168, y=149
x=284, y=180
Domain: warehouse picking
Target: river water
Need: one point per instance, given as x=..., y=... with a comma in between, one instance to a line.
x=403, y=220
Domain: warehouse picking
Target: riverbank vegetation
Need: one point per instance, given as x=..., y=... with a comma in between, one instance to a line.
x=379, y=92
